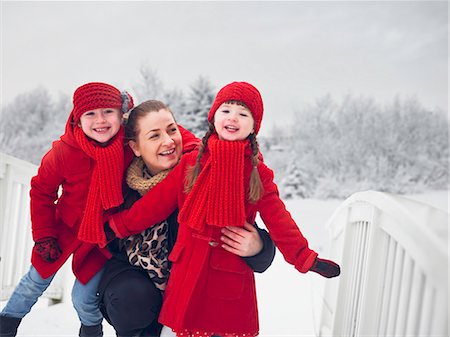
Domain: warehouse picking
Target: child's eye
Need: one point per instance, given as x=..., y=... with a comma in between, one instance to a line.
x=89, y=113
x=225, y=111
x=243, y=114
x=108, y=111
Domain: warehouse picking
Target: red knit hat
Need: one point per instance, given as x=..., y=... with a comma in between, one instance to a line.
x=243, y=92
x=97, y=95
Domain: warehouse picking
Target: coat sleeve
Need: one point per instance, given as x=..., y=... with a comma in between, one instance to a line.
x=282, y=228
x=155, y=206
x=190, y=141
x=261, y=261
x=43, y=195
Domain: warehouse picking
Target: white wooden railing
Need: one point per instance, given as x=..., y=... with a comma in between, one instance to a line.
x=15, y=227
x=394, y=257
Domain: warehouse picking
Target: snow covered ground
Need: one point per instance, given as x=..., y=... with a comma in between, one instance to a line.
x=288, y=300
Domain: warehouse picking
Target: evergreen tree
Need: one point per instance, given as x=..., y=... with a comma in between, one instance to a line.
x=297, y=182
x=358, y=145
x=198, y=103
x=149, y=85
x=31, y=122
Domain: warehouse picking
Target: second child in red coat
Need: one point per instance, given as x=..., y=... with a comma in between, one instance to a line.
x=87, y=164
x=211, y=291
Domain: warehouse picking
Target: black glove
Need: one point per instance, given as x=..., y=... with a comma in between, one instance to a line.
x=326, y=268
x=48, y=249
x=109, y=233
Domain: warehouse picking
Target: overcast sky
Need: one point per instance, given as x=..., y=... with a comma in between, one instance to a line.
x=294, y=52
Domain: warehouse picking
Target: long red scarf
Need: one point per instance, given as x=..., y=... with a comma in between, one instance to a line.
x=105, y=190
x=218, y=196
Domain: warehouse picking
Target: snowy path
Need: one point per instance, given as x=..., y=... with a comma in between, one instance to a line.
x=285, y=302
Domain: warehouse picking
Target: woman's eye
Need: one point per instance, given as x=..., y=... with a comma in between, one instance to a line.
x=154, y=136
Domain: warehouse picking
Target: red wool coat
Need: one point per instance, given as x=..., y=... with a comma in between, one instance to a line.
x=210, y=289
x=65, y=165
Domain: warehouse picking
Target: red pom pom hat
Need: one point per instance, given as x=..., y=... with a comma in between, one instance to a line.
x=97, y=95
x=243, y=92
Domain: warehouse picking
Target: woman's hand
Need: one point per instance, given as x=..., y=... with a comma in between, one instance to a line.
x=242, y=241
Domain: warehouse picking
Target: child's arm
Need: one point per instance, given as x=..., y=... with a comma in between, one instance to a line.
x=155, y=206
x=282, y=228
x=43, y=195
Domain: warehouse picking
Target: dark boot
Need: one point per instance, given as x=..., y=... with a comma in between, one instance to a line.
x=91, y=331
x=8, y=326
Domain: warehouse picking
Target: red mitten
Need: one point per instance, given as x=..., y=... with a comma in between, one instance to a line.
x=326, y=268
x=48, y=249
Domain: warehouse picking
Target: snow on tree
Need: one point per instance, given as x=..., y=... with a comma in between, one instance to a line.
x=175, y=100
x=31, y=122
x=149, y=85
x=198, y=103
x=358, y=145
x=296, y=182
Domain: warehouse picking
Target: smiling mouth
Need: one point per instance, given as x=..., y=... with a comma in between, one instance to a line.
x=167, y=153
x=101, y=129
x=231, y=128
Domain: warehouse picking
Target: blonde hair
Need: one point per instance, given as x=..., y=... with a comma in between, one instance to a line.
x=255, y=185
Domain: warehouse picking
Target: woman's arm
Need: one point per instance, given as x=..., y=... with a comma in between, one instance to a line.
x=252, y=243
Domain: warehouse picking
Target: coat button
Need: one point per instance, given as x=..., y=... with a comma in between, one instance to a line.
x=213, y=243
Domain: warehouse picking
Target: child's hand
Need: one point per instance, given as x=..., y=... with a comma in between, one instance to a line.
x=48, y=249
x=326, y=268
x=243, y=242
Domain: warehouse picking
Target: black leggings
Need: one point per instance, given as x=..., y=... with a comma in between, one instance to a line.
x=131, y=304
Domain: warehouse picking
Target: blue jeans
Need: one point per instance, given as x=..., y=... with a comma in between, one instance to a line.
x=32, y=285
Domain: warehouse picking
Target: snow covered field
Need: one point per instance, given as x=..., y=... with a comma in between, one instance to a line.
x=288, y=300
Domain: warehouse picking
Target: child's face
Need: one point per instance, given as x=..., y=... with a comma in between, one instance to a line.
x=101, y=124
x=158, y=141
x=233, y=122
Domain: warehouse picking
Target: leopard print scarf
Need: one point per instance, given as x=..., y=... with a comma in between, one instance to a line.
x=148, y=249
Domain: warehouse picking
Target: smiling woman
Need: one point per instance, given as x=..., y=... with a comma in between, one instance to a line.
x=158, y=140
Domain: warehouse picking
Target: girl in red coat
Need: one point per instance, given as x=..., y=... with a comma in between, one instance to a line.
x=211, y=291
x=87, y=163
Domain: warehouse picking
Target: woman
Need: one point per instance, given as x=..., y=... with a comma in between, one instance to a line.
x=134, y=279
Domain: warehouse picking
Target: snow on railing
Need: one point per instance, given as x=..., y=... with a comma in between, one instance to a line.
x=394, y=257
x=15, y=227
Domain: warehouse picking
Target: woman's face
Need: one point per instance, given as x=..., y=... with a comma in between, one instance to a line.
x=158, y=141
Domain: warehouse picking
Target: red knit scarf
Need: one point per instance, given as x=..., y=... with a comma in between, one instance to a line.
x=105, y=190
x=217, y=197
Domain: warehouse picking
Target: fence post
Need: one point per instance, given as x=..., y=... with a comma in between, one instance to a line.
x=394, y=257
x=15, y=227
